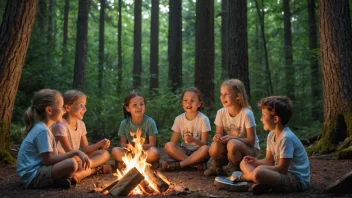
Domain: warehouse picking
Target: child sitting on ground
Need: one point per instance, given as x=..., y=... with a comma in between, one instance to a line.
x=194, y=127
x=286, y=166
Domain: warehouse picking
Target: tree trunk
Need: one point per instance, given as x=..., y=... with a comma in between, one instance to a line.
x=101, y=48
x=288, y=62
x=175, y=45
x=50, y=32
x=81, y=46
x=65, y=33
x=336, y=60
x=154, y=47
x=119, y=48
x=268, y=83
x=314, y=62
x=204, y=63
x=137, y=44
x=238, y=42
x=41, y=16
x=224, y=39
x=15, y=34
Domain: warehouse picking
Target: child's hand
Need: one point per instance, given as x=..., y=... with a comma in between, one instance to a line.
x=105, y=143
x=226, y=138
x=188, y=138
x=249, y=159
x=217, y=138
x=85, y=159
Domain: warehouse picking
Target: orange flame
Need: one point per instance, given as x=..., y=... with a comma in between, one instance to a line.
x=135, y=156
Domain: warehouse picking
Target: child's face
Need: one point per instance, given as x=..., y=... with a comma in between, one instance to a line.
x=78, y=108
x=136, y=107
x=227, y=96
x=57, y=110
x=267, y=120
x=190, y=102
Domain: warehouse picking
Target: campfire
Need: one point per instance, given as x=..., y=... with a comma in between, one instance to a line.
x=137, y=178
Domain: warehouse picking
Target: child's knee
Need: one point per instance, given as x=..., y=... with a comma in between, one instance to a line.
x=117, y=152
x=169, y=146
x=258, y=174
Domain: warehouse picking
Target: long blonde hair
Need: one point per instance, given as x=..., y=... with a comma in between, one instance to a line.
x=238, y=87
x=41, y=99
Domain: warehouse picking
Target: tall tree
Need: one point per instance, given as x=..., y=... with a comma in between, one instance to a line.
x=50, y=32
x=238, y=42
x=101, y=48
x=15, y=34
x=336, y=61
x=289, y=69
x=119, y=47
x=261, y=12
x=137, y=44
x=65, y=33
x=204, y=63
x=175, y=44
x=81, y=45
x=314, y=62
x=224, y=38
x=42, y=15
x=154, y=47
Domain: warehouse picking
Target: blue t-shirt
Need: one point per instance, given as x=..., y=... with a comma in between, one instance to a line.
x=289, y=146
x=148, y=128
x=38, y=140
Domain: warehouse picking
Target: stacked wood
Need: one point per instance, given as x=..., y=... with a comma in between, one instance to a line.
x=159, y=183
x=127, y=183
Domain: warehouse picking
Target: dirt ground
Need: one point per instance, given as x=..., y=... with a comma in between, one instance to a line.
x=188, y=183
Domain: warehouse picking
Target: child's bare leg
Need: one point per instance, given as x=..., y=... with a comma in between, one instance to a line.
x=265, y=176
x=64, y=169
x=197, y=157
x=216, y=150
x=175, y=151
x=153, y=154
x=236, y=149
x=247, y=170
x=117, y=153
x=98, y=158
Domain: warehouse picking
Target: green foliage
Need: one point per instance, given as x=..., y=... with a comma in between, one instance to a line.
x=6, y=157
x=43, y=67
x=16, y=134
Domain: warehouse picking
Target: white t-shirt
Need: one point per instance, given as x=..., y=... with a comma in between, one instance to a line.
x=74, y=137
x=236, y=126
x=289, y=146
x=194, y=127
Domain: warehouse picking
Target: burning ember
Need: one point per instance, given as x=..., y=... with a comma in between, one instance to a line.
x=137, y=178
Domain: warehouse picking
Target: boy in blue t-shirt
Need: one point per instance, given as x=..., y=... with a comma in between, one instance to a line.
x=285, y=167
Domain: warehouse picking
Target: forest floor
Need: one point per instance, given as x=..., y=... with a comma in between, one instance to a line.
x=323, y=173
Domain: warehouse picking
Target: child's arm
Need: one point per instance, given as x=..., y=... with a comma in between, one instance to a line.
x=152, y=142
x=267, y=161
x=51, y=159
x=249, y=140
x=201, y=142
x=282, y=167
x=219, y=133
x=105, y=143
x=174, y=137
x=65, y=143
x=123, y=141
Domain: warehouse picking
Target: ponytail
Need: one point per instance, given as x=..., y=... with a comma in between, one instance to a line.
x=29, y=118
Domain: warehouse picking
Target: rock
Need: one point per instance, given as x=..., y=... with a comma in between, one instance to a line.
x=342, y=185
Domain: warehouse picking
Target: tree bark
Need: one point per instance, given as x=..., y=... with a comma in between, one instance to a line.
x=154, y=47
x=65, y=33
x=50, y=32
x=119, y=48
x=314, y=62
x=101, y=48
x=137, y=44
x=336, y=60
x=175, y=45
x=15, y=34
x=41, y=16
x=204, y=60
x=288, y=62
x=238, y=42
x=81, y=46
x=224, y=39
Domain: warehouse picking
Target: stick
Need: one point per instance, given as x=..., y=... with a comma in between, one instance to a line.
x=127, y=183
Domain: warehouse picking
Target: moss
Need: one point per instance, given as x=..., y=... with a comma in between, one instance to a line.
x=345, y=153
x=4, y=135
x=324, y=145
x=348, y=121
x=6, y=157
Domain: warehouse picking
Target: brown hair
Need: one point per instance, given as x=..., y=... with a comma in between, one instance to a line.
x=196, y=91
x=238, y=87
x=41, y=99
x=127, y=102
x=71, y=96
x=280, y=106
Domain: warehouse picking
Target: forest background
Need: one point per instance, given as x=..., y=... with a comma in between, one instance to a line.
x=283, y=58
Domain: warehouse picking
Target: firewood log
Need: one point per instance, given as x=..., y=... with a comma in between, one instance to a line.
x=127, y=183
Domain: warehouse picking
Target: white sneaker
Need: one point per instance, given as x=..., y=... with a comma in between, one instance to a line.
x=236, y=176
